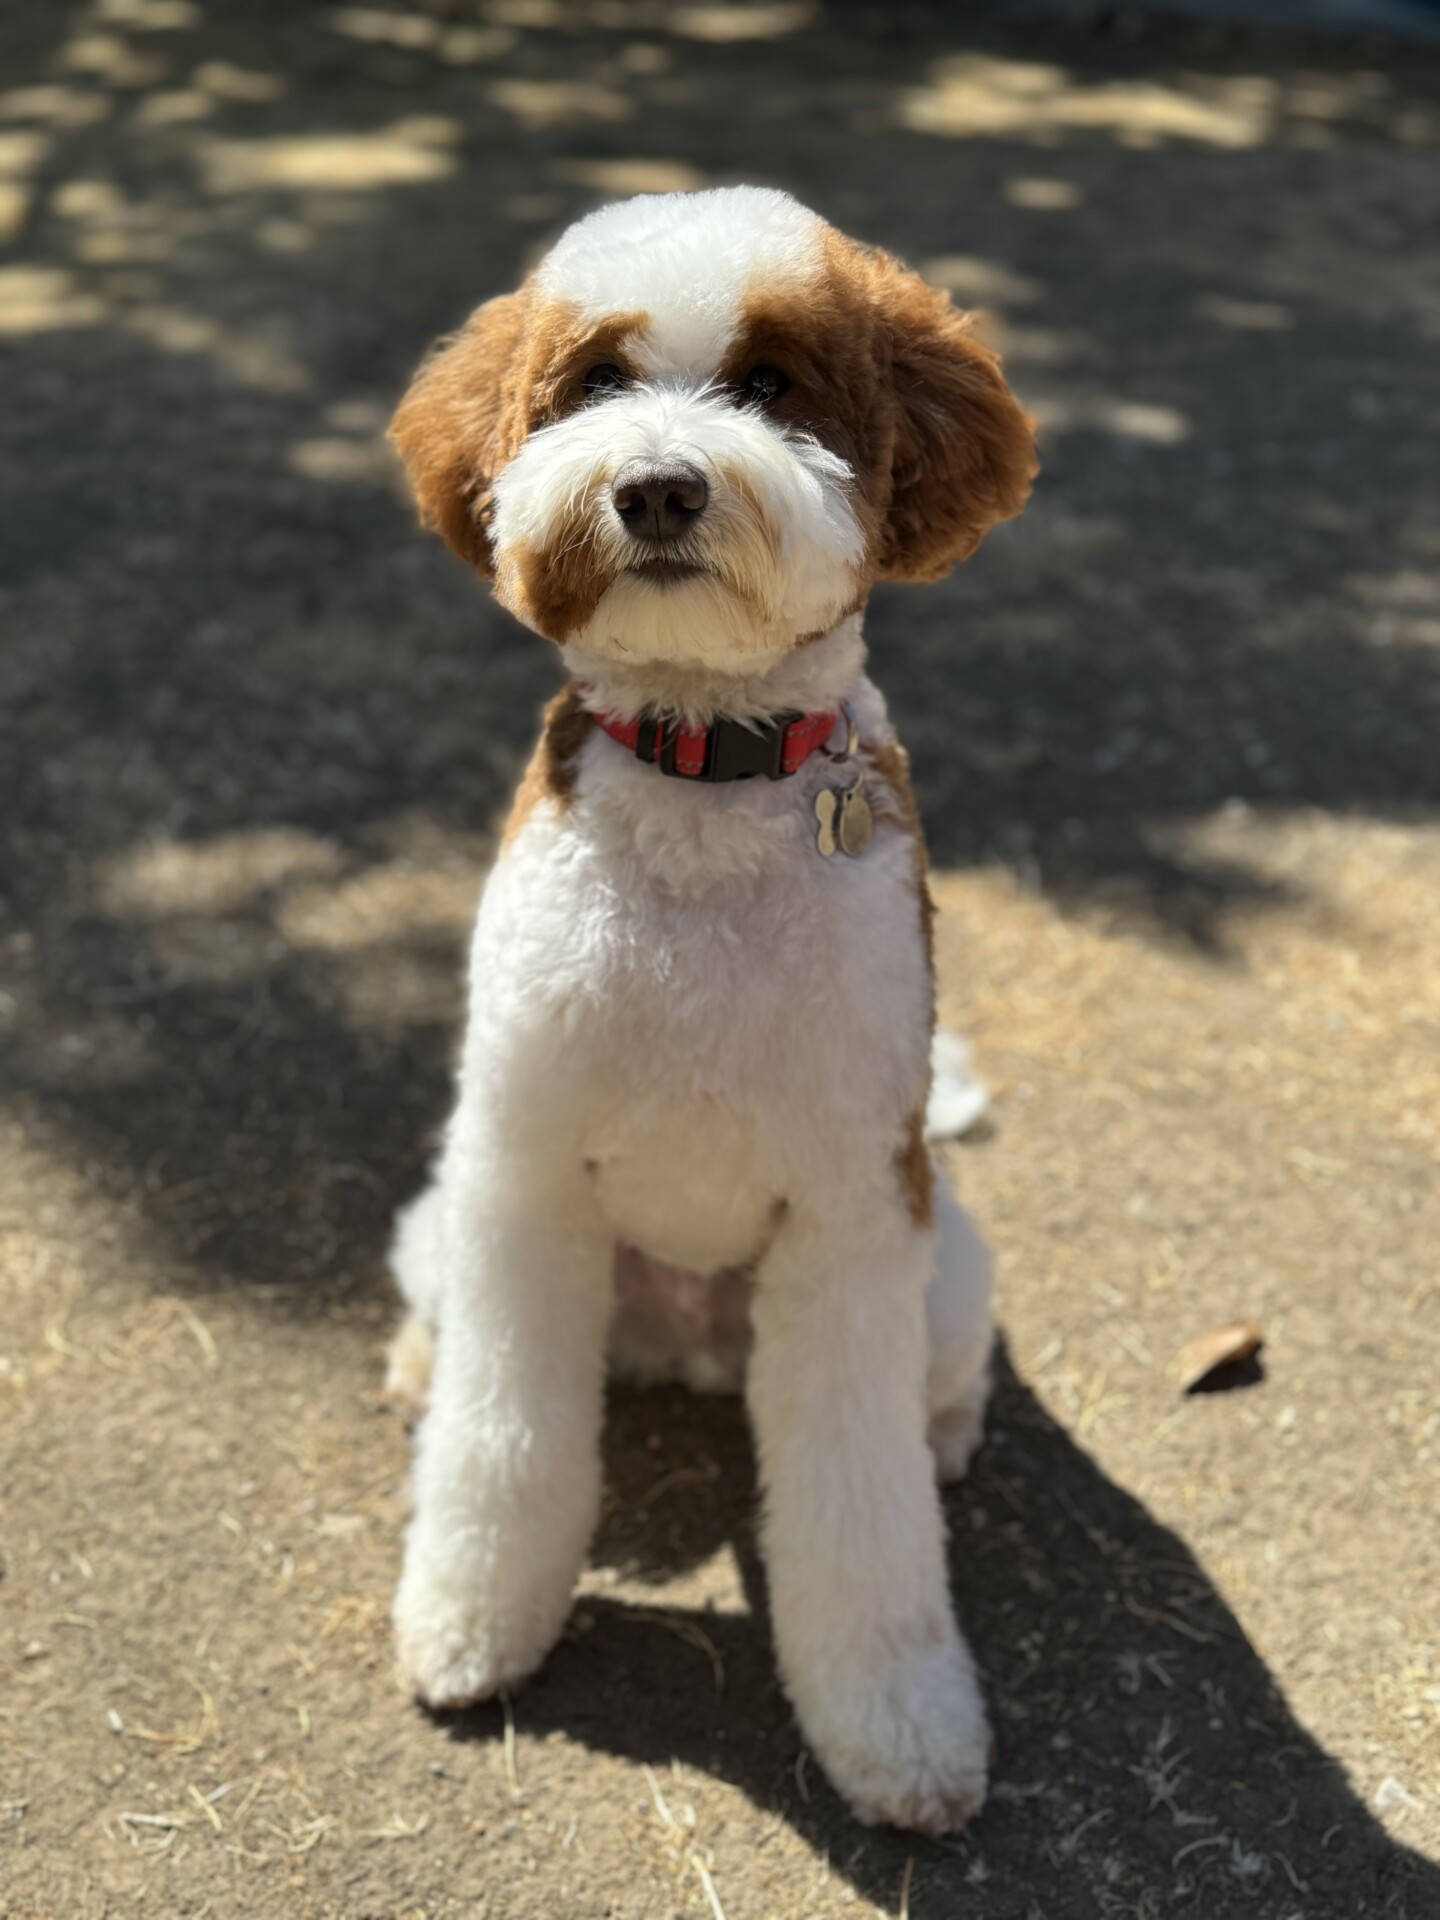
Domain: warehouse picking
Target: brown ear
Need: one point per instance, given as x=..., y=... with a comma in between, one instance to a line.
x=452, y=428
x=964, y=452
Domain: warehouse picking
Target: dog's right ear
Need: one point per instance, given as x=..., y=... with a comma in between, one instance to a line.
x=460, y=423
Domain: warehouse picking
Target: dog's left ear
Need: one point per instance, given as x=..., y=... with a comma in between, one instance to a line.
x=454, y=427
x=964, y=451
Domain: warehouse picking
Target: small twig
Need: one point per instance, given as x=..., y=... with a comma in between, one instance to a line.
x=306, y=1837
x=248, y=1801
x=709, y=1885
x=681, y=1477
x=664, y=1812
x=685, y=1848
x=203, y=1337
x=1154, y=1616
x=189, y=1740
x=205, y=1807
x=398, y=1829
x=905, y=1888
x=1290, y=1873
x=687, y=1631
x=1072, y=1839
x=512, y=1772
x=1210, y=1840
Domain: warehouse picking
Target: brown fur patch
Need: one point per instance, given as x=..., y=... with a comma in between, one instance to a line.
x=917, y=1177
x=820, y=337
x=561, y=348
x=883, y=371
x=449, y=428
x=964, y=453
x=892, y=764
x=912, y=1158
x=555, y=588
x=515, y=366
x=550, y=777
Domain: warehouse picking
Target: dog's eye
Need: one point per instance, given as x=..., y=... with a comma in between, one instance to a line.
x=765, y=383
x=606, y=378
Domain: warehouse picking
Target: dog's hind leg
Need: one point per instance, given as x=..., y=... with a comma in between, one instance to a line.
x=961, y=1334
x=417, y=1262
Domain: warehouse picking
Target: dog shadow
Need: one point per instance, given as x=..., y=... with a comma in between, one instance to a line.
x=1146, y=1761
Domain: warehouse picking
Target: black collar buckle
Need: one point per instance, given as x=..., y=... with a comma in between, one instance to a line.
x=734, y=749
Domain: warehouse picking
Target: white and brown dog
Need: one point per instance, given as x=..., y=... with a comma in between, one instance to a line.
x=701, y=982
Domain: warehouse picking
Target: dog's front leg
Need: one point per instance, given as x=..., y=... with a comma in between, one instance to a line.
x=869, y=1650
x=507, y=1469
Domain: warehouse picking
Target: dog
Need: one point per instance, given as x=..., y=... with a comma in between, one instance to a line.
x=689, y=1134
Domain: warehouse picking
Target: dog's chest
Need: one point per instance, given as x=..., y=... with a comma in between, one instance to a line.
x=765, y=992
x=717, y=1010
x=707, y=1058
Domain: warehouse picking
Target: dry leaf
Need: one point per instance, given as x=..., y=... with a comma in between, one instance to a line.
x=1221, y=1347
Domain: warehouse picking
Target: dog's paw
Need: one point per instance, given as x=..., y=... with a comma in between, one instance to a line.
x=910, y=1746
x=448, y=1653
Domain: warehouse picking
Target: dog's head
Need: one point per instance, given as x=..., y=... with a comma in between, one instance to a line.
x=704, y=426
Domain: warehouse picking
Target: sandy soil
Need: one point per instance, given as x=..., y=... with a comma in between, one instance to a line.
x=1176, y=739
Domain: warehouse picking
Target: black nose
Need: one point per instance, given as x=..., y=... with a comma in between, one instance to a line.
x=659, y=499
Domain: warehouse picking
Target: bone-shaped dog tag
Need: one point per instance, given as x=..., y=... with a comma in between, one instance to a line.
x=826, y=807
x=845, y=820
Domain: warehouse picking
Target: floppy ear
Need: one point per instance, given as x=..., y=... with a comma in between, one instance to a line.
x=455, y=426
x=964, y=452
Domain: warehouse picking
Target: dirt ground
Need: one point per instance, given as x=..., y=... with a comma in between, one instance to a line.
x=1176, y=738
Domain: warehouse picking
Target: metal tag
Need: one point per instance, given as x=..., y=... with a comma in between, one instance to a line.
x=855, y=821
x=845, y=820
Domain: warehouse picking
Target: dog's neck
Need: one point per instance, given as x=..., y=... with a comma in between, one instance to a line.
x=812, y=678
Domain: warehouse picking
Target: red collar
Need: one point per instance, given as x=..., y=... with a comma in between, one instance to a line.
x=726, y=749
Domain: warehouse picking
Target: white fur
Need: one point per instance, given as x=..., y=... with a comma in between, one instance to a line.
x=687, y=259
x=784, y=550
x=959, y=1099
x=691, y=1035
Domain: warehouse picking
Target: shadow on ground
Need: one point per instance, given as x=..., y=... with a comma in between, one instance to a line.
x=1146, y=1762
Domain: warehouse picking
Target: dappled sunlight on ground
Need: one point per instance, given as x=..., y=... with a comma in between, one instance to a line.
x=976, y=94
x=404, y=154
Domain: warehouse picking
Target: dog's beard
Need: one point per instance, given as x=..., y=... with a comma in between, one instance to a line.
x=776, y=556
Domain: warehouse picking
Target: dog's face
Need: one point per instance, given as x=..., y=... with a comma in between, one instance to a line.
x=704, y=426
